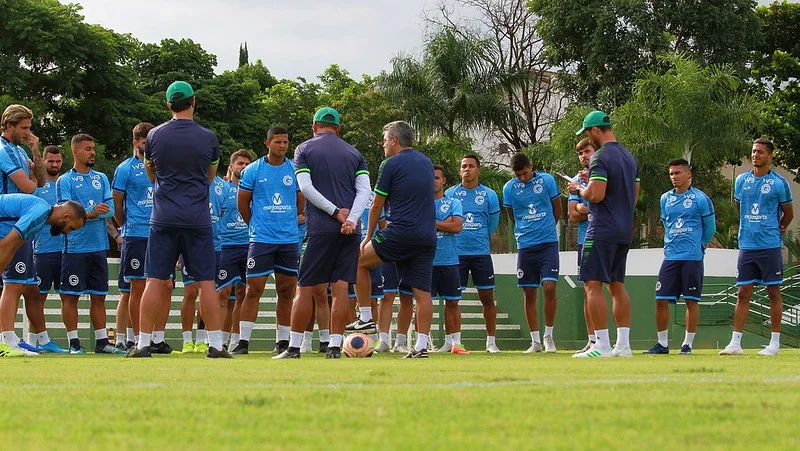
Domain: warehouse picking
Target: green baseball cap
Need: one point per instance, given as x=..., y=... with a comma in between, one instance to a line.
x=594, y=119
x=179, y=90
x=327, y=115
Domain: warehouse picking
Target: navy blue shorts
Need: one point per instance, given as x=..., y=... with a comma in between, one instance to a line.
x=414, y=262
x=84, y=273
x=232, y=266
x=264, y=259
x=580, y=259
x=603, y=261
x=188, y=279
x=132, y=258
x=678, y=278
x=21, y=269
x=482, y=270
x=328, y=259
x=446, y=283
x=391, y=280
x=376, y=280
x=123, y=285
x=195, y=245
x=537, y=264
x=760, y=267
x=48, y=271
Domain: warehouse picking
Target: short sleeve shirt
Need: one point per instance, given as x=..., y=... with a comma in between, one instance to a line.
x=24, y=214
x=87, y=189
x=479, y=204
x=273, y=207
x=612, y=218
x=44, y=242
x=447, y=243
x=532, y=204
x=13, y=159
x=682, y=215
x=131, y=180
x=234, y=231
x=583, y=225
x=760, y=200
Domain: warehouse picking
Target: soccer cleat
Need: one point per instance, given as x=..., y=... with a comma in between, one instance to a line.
x=281, y=346
x=76, y=350
x=214, y=353
x=333, y=352
x=421, y=354
x=8, y=351
x=768, y=351
x=188, y=348
x=361, y=326
x=431, y=347
x=382, y=347
x=108, y=349
x=535, y=347
x=492, y=349
x=241, y=348
x=585, y=348
x=549, y=344
x=30, y=348
x=305, y=347
x=400, y=349
x=129, y=345
x=622, y=352
x=136, y=353
x=52, y=348
x=659, y=349
x=686, y=350
x=732, y=349
x=201, y=347
x=595, y=352
x=460, y=350
x=446, y=348
x=323, y=347
x=289, y=353
x=161, y=348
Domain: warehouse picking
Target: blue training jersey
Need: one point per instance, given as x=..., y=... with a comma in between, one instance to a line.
x=130, y=179
x=217, y=193
x=447, y=243
x=365, y=218
x=478, y=204
x=273, y=206
x=44, y=242
x=87, y=189
x=760, y=200
x=233, y=230
x=13, y=159
x=682, y=216
x=583, y=225
x=532, y=205
x=23, y=213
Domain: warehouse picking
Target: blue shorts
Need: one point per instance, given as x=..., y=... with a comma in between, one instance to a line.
x=391, y=280
x=21, y=269
x=195, y=245
x=48, y=271
x=232, y=266
x=580, y=259
x=328, y=259
x=537, y=264
x=84, y=273
x=188, y=279
x=132, y=258
x=446, y=283
x=376, y=280
x=603, y=261
x=414, y=262
x=264, y=259
x=482, y=270
x=760, y=267
x=678, y=278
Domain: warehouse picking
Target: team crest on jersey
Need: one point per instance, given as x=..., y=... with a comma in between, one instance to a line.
x=251, y=263
x=520, y=274
x=531, y=209
x=287, y=180
x=20, y=267
x=73, y=280
x=754, y=209
x=96, y=184
x=765, y=189
x=444, y=208
x=149, y=192
x=687, y=203
x=91, y=203
x=277, y=199
x=679, y=223
x=538, y=189
x=135, y=263
x=469, y=217
x=218, y=190
x=222, y=274
x=479, y=200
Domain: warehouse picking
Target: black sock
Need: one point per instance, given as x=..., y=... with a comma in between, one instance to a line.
x=75, y=343
x=101, y=343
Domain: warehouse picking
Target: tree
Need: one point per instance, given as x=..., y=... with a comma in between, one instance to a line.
x=158, y=65
x=243, y=56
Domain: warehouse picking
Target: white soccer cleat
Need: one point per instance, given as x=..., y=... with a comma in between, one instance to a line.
x=24, y=351
x=595, y=352
x=400, y=349
x=768, y=351
x=585, y=348
x=382, y=347
x=305, y=347
x=549, y=344
x=446, y=348
x=732, y=349
x=535, y=347
x=622, y=352
x=492, y=349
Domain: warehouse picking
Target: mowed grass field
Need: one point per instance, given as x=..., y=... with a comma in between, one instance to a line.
x=507, y=401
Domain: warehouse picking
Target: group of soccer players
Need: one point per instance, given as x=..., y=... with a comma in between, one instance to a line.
x=316, y=225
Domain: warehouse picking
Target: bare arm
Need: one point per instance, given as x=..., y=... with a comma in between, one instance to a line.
x=374, y=215
x=558, y=211
x=453, y=224
x=595, y=191
x=119, y=212
x=243, y=204
x=25, y=184
x=510, y=212
x=8, y=247
x=577, y=212
x=788, y=215
x=150, y=167
x=212, y=172
x=301, y=208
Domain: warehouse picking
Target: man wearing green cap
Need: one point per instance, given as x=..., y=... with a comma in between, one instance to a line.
x=612, y=192
x=181, y=160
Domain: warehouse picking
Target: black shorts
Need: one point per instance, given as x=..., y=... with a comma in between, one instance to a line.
x=21, y=269
x=760, y=267
x=232, y=267
x=263, y=259
x=414, y=262
x=328, y=259
x=678, y=278
x=603, y=261
x=482, y=270
x=84, y=273
x=537, y=264
x=195, y=245
x=188, y=279
x=446, y=283
x=48, y=271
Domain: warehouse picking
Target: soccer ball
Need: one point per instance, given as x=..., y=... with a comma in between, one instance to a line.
x=358, y=345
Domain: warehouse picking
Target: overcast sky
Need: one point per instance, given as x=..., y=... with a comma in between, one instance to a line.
x=293, y=38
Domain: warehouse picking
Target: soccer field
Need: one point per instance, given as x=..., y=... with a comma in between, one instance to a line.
x=506, y=401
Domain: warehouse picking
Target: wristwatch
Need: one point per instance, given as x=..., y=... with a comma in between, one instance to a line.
x=335, y=212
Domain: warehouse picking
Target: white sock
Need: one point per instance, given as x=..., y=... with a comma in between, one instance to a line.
x=32, y=338
x=295, y=339
x=130, y=334
x=592, y=338
x=336, y=341
x=374, y=337
x=456, y=338
x=448, y=339
x=10, y=338
x=775, y=340
x=144, y=340
x=215, y=339
x=623, y=337
x=663, y=338
x=136, y=339
x=234, y=339
x=202, y=336
x=158, y=336
x=324, y=335
x=43, y=338
x=365, y=313
x=422, y=342
x=72, y=335
x=308, y=337
x=384, y=338
x=283, y=332
x=246, y=329
x=187, y=336
x=535, y=337
x=548, y=331
x=489, y=341
x=100, y=334
x=400, y=340
x=226, y=337
x=603, y=342
x=736, y=338
x=689, y=339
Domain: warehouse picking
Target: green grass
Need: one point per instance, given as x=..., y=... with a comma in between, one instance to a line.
x=508, y=401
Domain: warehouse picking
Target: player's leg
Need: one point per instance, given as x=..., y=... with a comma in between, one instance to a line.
x=692, y=289
x=596, y=269
x=9, y=303
x=285, y=287
x=748, y=273
x=417, y=272
x=530, y=293
x=549, y=270
x=771, y=264
x=692, y=318
x=158, y=343
x=249, y=311
x=436, y=283
x=620, y=300
x=308, y=335
x=404, y=315
x=322, y=311
x=19, y=273
x=123, y=320
x=163, y=249
x=668, y=289
x=239, y=291
x=368, y=260
x=190, y=293
x=482, y=271
x=529, y=265
x=97, y=287
x=448, y=288
x=226, y=309
x=586, y=317
x=34, y=309
x=48, y=270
